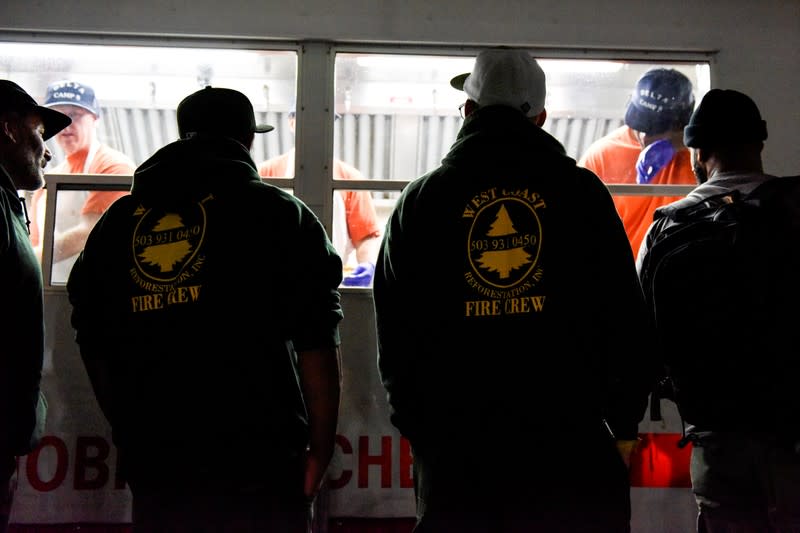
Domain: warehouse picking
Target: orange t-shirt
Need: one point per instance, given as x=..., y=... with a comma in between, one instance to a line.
x=362, y=221
x=613, y=159
x=105, y=161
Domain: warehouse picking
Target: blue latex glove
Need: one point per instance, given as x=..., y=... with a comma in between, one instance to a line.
x=361, y=276
x=652, y=159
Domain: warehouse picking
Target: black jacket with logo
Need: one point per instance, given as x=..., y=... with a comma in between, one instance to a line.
x=507, y=299
x=195, y=291
x=21, y=328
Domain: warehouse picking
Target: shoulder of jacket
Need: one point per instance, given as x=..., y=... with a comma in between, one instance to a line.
x=276, y=198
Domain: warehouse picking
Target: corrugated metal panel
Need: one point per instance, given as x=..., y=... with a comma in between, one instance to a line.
x=364, y=140
x=365, y=143
x=371, y=525
x=577, y=133
x=70, y=528
x=347, y=137
x=140, y=132
x=276, y=142
x=337, y=525
x=381, y=134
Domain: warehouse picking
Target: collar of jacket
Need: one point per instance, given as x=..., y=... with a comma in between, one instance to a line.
x=7, y=187
x=502, y=124
x=202, y=163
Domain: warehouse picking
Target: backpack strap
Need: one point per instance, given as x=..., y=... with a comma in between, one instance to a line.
x=700, y=209
x=785, y=190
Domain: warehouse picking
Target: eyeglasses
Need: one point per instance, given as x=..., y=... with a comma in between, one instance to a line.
x=461, y=109
x=76, y=114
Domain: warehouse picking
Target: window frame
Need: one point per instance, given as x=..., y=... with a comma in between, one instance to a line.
x=314, y=135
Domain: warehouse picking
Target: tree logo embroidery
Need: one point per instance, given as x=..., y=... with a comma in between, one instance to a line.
x=504, y=241
x=166, y=244
x=503, y=271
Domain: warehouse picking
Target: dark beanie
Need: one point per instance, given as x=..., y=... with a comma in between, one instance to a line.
x=724, y=117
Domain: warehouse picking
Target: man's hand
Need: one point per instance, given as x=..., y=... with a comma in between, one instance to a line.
x=315, y=469
x=626, y=449
x=361, y=276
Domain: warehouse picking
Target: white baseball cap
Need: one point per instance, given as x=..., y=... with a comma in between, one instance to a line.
x=505, y=76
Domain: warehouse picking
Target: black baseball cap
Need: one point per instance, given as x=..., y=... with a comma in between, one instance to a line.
x=14, y=98
x=218, y=111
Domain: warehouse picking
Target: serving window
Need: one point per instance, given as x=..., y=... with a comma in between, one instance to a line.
x=347, y=118
x=396, y=114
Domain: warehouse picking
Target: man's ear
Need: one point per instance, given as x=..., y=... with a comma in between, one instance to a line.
x=8, y=130
x=540, y=118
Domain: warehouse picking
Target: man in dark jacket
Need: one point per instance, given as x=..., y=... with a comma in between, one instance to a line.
x=734, y=382
x=515, y=370
x=24, y=127
x=220, y=383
